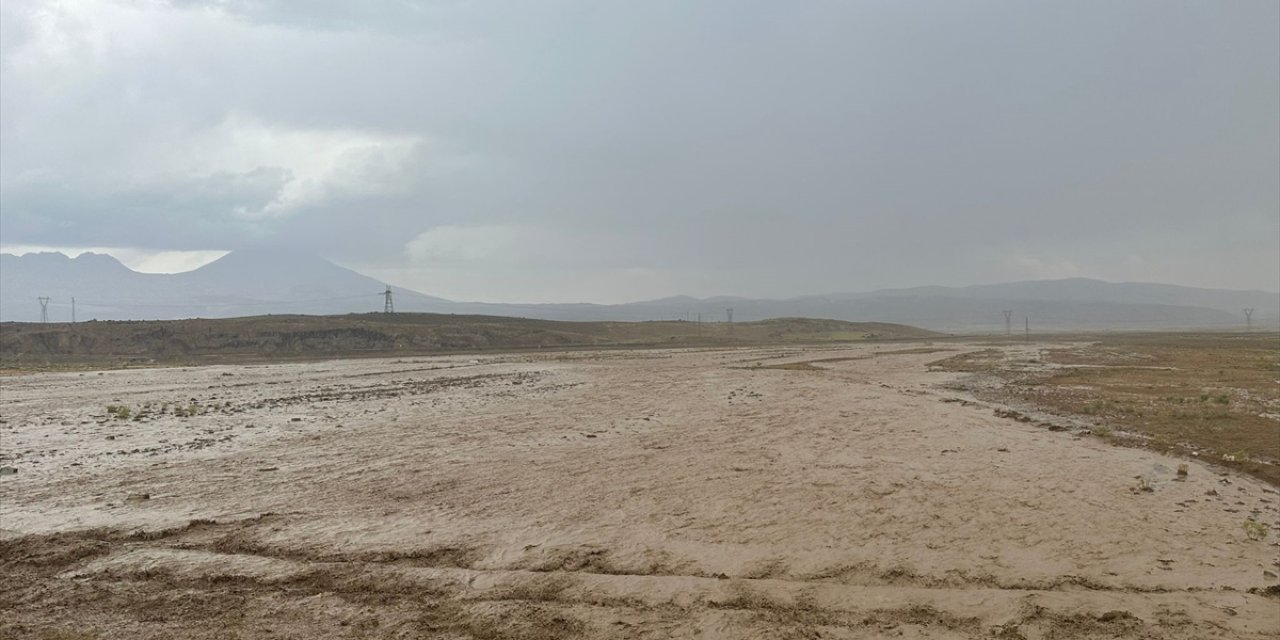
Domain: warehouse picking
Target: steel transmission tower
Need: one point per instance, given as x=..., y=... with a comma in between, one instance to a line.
x=1008, y=322
x=388, y=306
x=44, y=308
x=1248, y=319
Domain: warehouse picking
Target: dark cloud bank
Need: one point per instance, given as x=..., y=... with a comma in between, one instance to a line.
x=614, y=151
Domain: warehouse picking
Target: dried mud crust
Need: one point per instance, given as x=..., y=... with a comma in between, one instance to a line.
x=676, y=495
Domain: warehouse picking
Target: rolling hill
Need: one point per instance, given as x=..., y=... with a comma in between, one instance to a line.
x=24, y=345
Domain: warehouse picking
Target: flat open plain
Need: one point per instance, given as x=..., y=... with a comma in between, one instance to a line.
x=614, y=494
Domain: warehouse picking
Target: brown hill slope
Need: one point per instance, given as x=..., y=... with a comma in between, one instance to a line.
x=26, y=345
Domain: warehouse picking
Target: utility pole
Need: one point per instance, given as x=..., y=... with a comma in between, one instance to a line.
x=1027, y=320
x=1248, y=319
x=44, y=309
x=387, y=305
x=699, y=325
x=73, y=310
x=729, y=312
x=1008, y=326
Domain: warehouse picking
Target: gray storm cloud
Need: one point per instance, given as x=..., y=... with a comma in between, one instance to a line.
x=620, y=150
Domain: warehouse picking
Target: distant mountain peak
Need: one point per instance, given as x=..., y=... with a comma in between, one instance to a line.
x=98, y=259
x=59, y=260
x=260, y=280
x=681, y=299
x=258, y=255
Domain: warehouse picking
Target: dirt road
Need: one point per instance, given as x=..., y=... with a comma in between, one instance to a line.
x=624, y=494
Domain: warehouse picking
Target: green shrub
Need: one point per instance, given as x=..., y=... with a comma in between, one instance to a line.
x=1256, y=530
x=1094, y=407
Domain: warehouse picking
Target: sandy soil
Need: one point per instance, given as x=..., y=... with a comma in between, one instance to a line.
x=625, y=494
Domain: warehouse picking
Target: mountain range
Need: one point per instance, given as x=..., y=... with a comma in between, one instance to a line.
x=264, y=282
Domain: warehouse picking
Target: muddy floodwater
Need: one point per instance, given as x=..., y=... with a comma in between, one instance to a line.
x=619, y=494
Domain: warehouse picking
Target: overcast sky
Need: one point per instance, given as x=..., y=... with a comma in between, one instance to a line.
x=614, y=151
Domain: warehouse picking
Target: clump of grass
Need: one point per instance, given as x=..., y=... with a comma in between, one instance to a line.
x=1255, y=530
x=1101, y=431
x=1144, y=485
x=187, y=411
x=119, y=411
x=1183, y=469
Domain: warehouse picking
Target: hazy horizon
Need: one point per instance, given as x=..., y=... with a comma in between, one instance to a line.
x=193, y=266
x=571, y=151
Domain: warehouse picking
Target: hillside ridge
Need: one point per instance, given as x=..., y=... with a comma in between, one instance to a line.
x=24, y=345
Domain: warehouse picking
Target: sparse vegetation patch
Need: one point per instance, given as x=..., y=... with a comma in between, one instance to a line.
x=1211, y=395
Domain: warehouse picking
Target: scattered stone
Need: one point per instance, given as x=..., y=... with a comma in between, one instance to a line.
x=8, y=471
x=137, y=497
